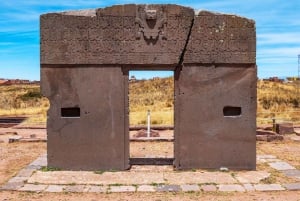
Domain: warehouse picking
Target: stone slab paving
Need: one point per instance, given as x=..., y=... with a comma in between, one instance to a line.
x=121, y=189
x=55, y=188
x=292, y=173
x=145, y=188
x=145, y=179
x=87, y=177
x=76, y=188
x=98, y=189
x=268, y=187
x=33, y=188
x=292, y=187
x=251, y=176
x=209, y=188
x=249, y=187
x=231, y=188
x=189, y=188
x=281, y=166
x=198, y=178
x=168, y=188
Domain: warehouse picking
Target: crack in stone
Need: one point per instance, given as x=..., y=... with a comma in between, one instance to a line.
x=181, y=58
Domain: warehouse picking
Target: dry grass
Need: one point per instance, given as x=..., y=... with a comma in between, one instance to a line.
x=275, y=100
x=156, y=95
x=23, y=100
x=279, y=101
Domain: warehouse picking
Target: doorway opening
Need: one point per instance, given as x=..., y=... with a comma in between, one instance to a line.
x=151, y=117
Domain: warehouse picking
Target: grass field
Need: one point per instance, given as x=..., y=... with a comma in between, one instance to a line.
x=275, y=100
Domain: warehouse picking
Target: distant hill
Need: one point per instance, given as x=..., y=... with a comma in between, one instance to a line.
x=16, y=81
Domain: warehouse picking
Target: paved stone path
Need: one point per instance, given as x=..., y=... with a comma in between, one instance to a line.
x=155, y=179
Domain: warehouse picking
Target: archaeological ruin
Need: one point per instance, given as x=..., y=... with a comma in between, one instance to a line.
x=85, y=59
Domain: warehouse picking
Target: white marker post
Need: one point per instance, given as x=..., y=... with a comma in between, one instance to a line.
x=148, y=121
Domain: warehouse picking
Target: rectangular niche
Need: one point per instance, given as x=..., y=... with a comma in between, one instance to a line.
x=229, y=111
x=70, y=112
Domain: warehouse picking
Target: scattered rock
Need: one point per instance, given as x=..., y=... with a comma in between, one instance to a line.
x=11, y=133
x=224, y=169
x=284, y=128
x=297, y=131
x=265, y=127
x=264, y=132
x=15, y=138
x=33, y=136
x=269, y=138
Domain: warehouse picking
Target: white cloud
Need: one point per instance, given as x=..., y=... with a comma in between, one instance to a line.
x=279, y=38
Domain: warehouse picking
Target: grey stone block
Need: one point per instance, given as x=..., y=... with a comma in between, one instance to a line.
x=268, y=187
x=25, y=172
x=76, y=188
x=12, y=186
x=231, y=188
x=292, y=186
x=249, y=187
x=55, y=188
x=33, y=187
x=145, y=188
x=121, y=189
x=292, y=173
x=281, y=166
x=209, y=188
x=97, y=189
x=189, y=188
x=168, y=188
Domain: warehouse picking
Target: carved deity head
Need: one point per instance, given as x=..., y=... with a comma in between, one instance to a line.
x=151, y=15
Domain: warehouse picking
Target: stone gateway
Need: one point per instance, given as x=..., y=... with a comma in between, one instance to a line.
x=85, y=59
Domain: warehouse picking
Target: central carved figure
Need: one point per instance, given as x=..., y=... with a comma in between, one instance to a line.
x=150, y=24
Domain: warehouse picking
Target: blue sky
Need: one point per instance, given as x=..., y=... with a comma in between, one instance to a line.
x=277, y=23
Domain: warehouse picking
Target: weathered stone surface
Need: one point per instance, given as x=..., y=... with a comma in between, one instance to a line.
x=97, y=139
x=218, y=38
x=284, y=128
x=268, y=187
x=281, y=166
x=120, y=34
x=231, y=188
x=205, y=137
x=85, y=60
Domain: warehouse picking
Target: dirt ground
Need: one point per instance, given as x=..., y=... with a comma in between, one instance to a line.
x=15, y=156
